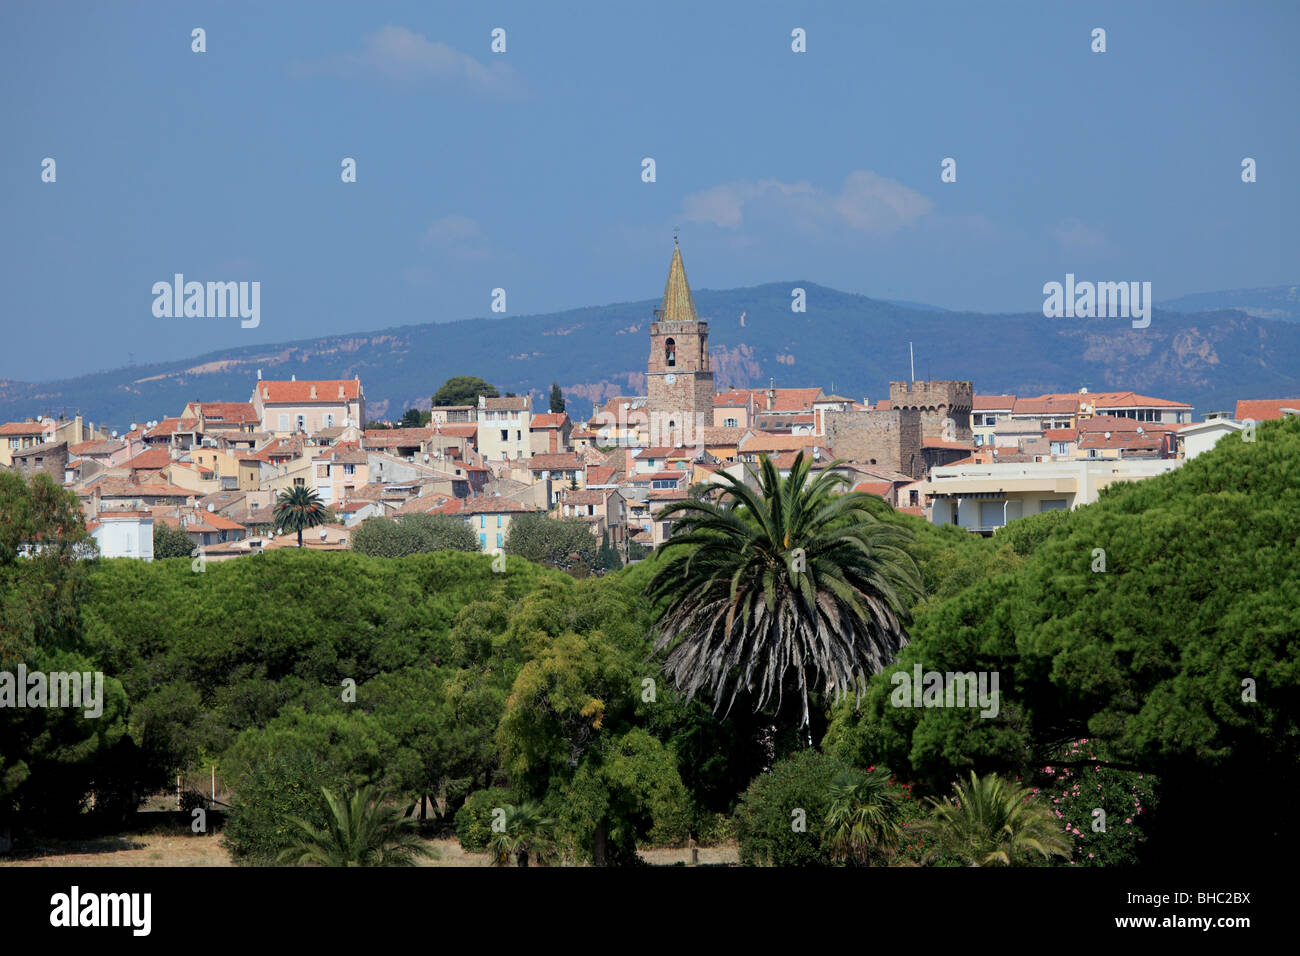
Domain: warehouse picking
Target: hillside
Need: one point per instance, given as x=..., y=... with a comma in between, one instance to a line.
x=1278, y=302
x=844, y=342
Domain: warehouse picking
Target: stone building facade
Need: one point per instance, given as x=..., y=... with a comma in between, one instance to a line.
x=890, y=438
x=679, y=376
x=936, y=401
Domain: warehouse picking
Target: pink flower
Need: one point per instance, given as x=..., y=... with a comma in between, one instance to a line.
x=1090, y=856
x=1128, y=819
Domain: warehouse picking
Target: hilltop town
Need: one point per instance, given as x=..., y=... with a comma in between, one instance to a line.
x=936, y=449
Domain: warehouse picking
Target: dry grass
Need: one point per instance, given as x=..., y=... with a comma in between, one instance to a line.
x=174, y=846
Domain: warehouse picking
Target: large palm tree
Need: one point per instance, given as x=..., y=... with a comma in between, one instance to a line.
x=994, y=822
x=527, y=835
x=865, y=822
x=773, y=589
x=298, y=508
x=360, y=831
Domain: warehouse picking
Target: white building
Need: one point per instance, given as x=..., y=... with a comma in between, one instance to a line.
x=124, y=534
x=1201, y=437
x=983, y=498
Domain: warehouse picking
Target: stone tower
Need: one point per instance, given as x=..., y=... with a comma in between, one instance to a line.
x=679, y=378
x=937, y=401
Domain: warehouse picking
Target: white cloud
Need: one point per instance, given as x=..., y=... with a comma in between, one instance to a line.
x=403, y=56
x=866, y=203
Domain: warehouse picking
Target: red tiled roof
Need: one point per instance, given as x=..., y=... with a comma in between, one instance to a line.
x=240, y=412
x=982, y=403
x=457, y=430
x=105, y=447
x=164, y=429
x=1060, y=434
x=1263, y=409
x=549, y=420
x=881, y=488
x=299, y=393
x=23, y=428
x=489, y=506
x=764, y=441
x=563, y=462
x=150, y=460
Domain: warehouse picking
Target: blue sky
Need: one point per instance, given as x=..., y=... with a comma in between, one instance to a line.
x=522, y=170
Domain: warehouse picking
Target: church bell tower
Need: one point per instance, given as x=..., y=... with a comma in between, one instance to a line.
x=679, y=378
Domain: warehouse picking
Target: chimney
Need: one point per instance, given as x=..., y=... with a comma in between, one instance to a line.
x=293, y=378
x=313, y=393
x=340, y=389
x=259, y=374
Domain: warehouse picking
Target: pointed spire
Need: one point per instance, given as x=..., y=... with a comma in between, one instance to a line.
x=678, y=306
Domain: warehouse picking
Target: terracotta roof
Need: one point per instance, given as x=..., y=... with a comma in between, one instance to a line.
x=41, y=449
x=985, y=403
x=601, y=474
x=388, y=437
x=670, y=494
x=485, y=505
x=235, y=412
x=151, y=459
x=424, y=504
x=300, y=393
x=24, y=428
x=663, y=451
x=164, y=429
x=563, y=462
x=1060, y=434
x=457, y=430
x=518, y=404
x=881, y=488
x=1046, y=405
x=786, y=399
x=1263, y=409
x=1125, y=439
x=721, y=435
x=1127, y=400
x=585, y=497
x=765, y=441
x=549, y=420
x=124, y=487
x=87, y=448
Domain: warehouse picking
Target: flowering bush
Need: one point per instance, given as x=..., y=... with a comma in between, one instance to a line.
x=1074, y=792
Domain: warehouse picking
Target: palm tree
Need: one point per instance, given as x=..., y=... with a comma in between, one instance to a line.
x=360, y=831
x=993, y=822
x=298, y=508
x=526, y=835
x=865, y=822
x=773, y=589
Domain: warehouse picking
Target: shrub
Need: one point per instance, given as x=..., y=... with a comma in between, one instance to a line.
x=284, y=786
x=413, y=534
x=474, y=818
x=765, y=815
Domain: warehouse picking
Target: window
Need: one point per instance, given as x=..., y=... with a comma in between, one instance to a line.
x=482, y=521
x=498, y=539
x=666, y=528
x=518, y=435
x=482, y=541
x=498, y=521
x=302, y=423
x=992, y=514
x=13, y=443
x=349, y=469
x=329, y=420
x=729, y=423
x=299, y=482
x=284, y=422
x=505, y=435
x=670, y=353
x=1052, y=504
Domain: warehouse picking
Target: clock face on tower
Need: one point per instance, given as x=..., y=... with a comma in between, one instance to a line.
x=670, y=378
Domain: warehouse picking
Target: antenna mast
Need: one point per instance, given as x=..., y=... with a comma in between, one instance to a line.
x=912, y=357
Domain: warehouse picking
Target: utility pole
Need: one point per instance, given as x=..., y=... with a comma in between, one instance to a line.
x=912, y=357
